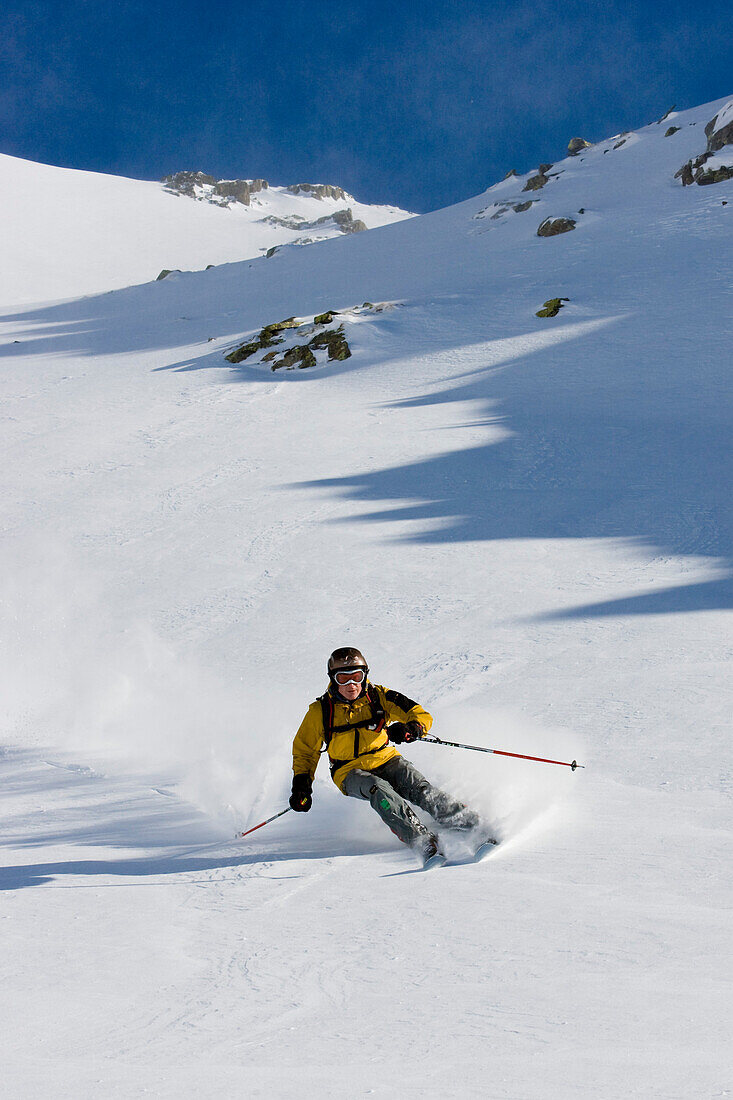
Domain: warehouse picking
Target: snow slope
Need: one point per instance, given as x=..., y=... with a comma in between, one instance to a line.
x=525, y=523
x=65, y=233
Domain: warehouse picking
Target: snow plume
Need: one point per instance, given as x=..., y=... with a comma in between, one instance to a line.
x=514, y=796
x=80, y=679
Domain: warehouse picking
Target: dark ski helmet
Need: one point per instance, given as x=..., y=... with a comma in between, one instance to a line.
x=346, y=658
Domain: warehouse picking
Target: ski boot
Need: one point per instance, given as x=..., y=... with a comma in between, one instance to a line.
x=429, y=848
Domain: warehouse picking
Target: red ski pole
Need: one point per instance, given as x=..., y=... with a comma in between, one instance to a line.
x=501, y=752
x=254, y=827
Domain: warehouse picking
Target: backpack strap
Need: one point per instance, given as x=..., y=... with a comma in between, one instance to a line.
x=377, y=723
x=326, y=702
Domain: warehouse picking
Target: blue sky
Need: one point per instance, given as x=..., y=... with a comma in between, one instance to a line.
x=420, y=105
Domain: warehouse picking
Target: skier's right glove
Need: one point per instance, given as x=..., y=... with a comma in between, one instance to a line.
x=405, y=732
x=300, y=798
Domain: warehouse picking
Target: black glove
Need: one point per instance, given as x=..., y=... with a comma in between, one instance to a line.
x=404, y=732
x=301, y=799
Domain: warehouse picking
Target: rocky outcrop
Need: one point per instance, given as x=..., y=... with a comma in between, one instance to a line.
x=577, y=145
x=243, y=352
x=719, y=132
x=298, y=356
x=347, y=223
x=318, y=190
x=269, y=332
x=672, y=130
x=551, y=227
x=720, y=135
x=268, y=336
x=335, y=341
x=205, y=188
x=239, y=190
x=344, y=220
x=685, y=174
x=715, y=175
x=694, y=171
x=535, y=182
x=502, y=208
x=551, y=307
x=185, y=183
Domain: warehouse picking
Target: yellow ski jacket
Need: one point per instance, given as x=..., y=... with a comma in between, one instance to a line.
x=358, y=746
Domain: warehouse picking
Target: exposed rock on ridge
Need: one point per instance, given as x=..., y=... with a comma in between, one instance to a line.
x=551, y=227
x=719, y=132
x=344, y=219
x=318, y=190
x=205, y=188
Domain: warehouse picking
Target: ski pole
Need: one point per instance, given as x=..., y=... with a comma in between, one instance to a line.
x=501, y=752
x=254, y=827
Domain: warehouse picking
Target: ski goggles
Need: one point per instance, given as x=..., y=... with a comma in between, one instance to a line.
x=350, y=676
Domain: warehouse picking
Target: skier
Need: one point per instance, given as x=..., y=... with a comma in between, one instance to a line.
x=356, y=721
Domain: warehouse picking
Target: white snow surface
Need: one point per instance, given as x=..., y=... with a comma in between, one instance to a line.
x=524, y=523
x=67, y=233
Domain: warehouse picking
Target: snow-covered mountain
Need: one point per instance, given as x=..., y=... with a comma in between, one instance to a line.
x=519, y=511
x=66, y=233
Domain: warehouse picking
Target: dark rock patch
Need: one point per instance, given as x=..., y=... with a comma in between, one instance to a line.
x=720, y=138
x=218, y=192
x=185, y=182
x=672, y=130
x=577, y=145
x=535, y=182
x=551, y=227
x=714, y=175
x=347, y=223
x=685, y=174
x=269, y=332
x=717, y=138
x=243, y=352
x=551, y=307
x=318, y=190
x=335, y=341
x=694, y=171
x=300, y=356
x=266, y=339
x=344, y=219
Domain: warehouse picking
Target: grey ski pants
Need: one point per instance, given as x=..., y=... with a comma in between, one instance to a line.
x=391, y=787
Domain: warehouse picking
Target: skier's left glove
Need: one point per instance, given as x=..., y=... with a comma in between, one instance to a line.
x=405, y=732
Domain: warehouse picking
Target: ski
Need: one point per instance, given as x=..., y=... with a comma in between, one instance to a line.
x=485, y=848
